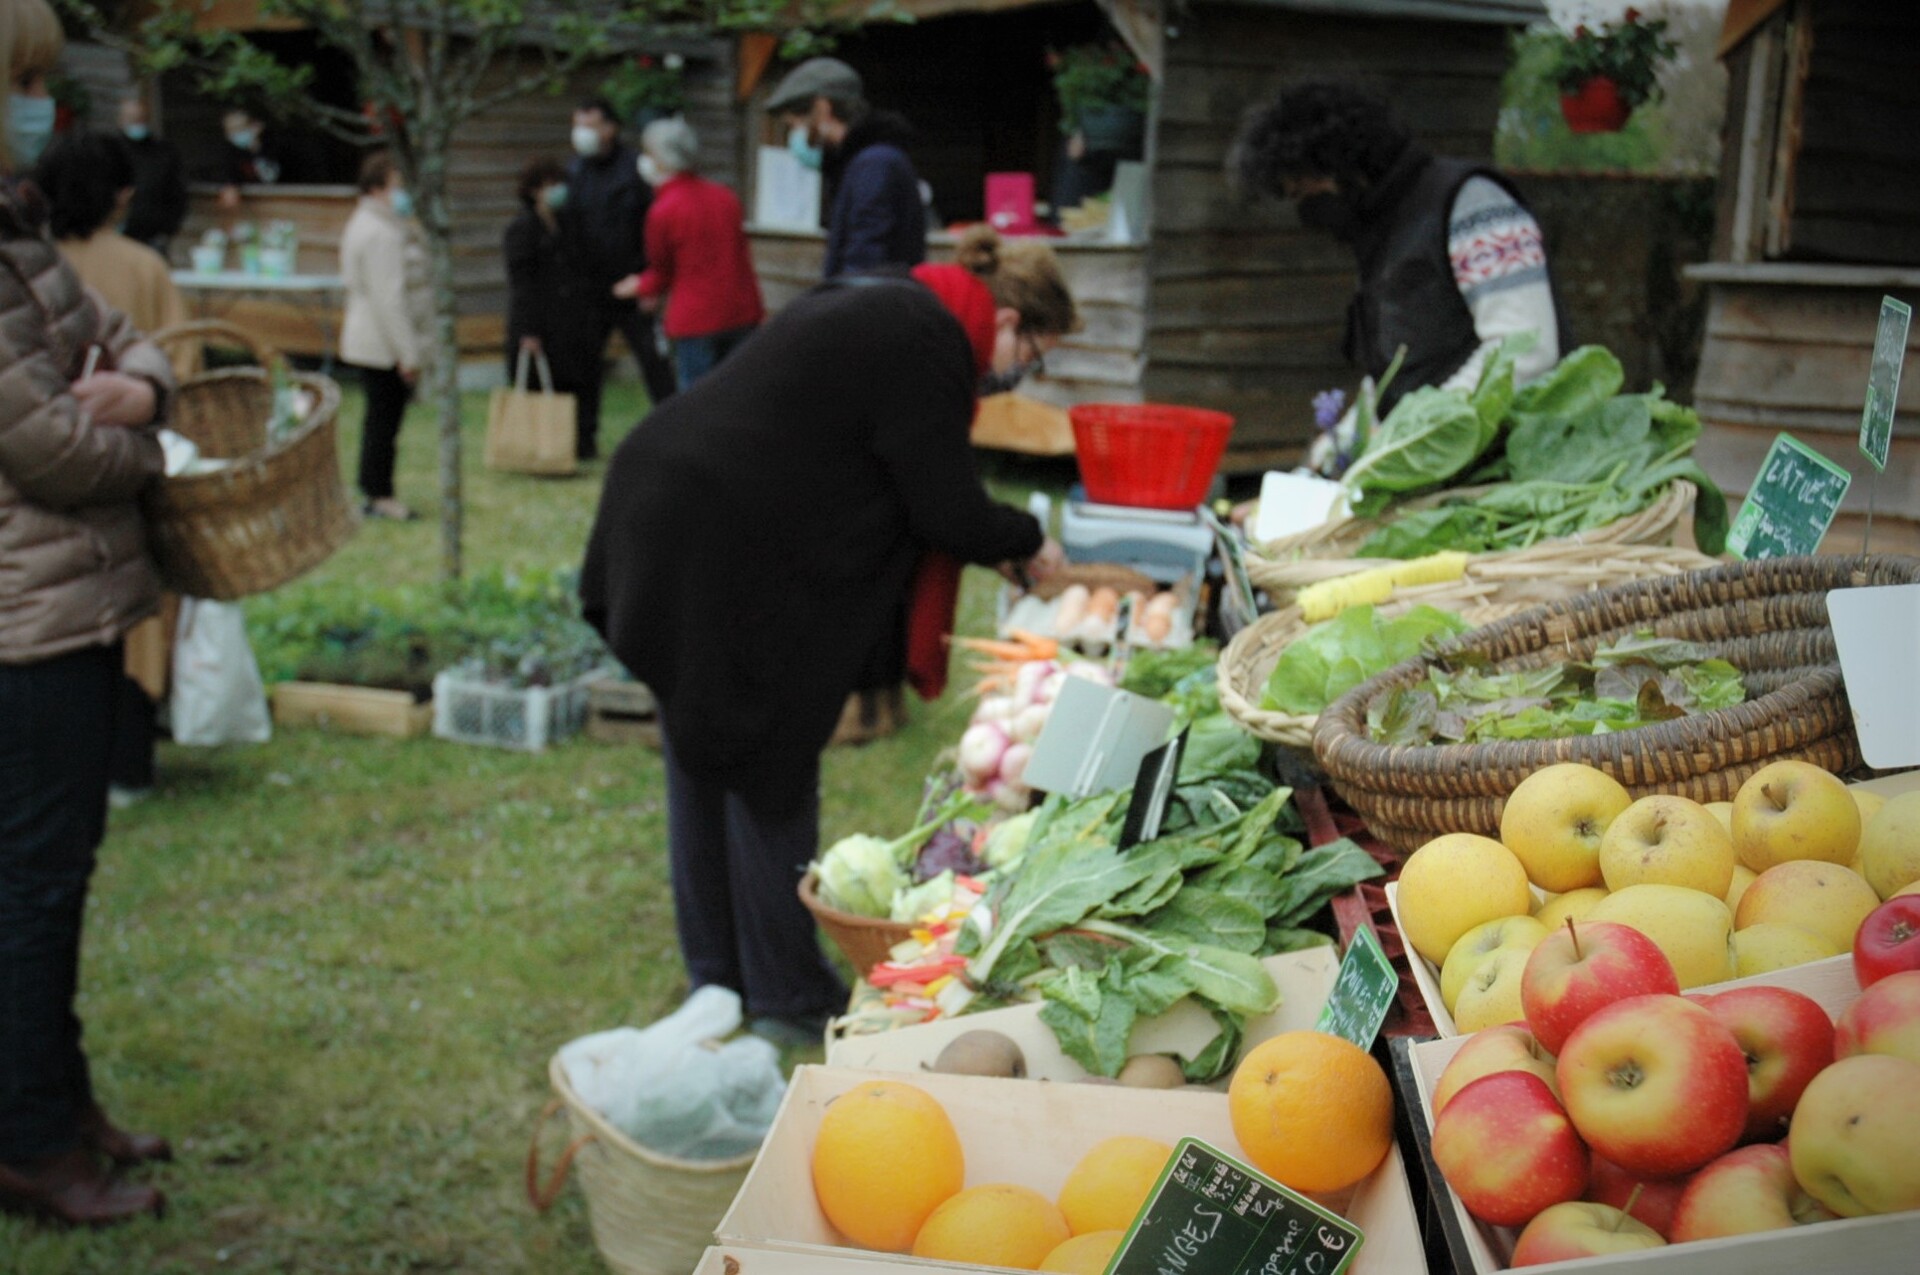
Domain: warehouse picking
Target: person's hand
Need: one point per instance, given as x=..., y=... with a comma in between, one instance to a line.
x=628, y=288
x=530, y=345
x=1077, y=146
x=1050, y=561
x=649, y=305
x=408, y=374
x=114, y=398
x=230, y=198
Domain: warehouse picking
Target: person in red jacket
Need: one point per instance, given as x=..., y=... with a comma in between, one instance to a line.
x=697, y=255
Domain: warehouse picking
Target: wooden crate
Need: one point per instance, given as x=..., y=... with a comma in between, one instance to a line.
x=1024, y=1131
x=1885, y=1243
x=351, y=710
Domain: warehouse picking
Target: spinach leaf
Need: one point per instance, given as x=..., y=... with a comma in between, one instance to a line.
x=1217, y=746
x=1322, y=873
x=1415, y=535
x=1207, y=916
x=1430, y=436
x=1580, y=382
x=1097, y=1042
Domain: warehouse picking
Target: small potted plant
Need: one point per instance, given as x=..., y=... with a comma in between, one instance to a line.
x=246, y=237
x=1103, y=91
x=1605, y=74
x=279, y=245
x=646, y=88
x=210, y=254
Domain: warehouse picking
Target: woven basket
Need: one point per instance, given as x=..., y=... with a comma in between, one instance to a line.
x=195, y=336
x=1495, y=587
x=1284, y=566
x=651, y=1214
x=1768, y=618
x=270, y=516
x=864, y=940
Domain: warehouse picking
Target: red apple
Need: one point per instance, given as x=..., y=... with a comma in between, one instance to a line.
x=1508, y=1150
x=1752, y=1189
x=1888, y=941
x=1655, y=1084
x=1614, y=1186
x=1568, y=1231
x=1788, y=1040
x=1885, y=1020
x=1586, y=967
x=1488, y=1052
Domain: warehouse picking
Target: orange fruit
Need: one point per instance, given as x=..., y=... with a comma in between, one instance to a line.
x=994, y=1225
x=1311, y=1111
x=1085, y=1254
x=1111, y=1182
x=885, y=1158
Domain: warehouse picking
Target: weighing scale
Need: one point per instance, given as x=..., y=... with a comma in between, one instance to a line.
x=1167, y=545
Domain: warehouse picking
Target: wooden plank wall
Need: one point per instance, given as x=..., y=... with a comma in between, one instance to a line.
x=1247, y=308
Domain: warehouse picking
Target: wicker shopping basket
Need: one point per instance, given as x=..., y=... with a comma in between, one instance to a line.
x=1291, y=563
x=1768, y=618
x=273, y=514
x=1495, y=586
x=864, y=940
x=651, y=1214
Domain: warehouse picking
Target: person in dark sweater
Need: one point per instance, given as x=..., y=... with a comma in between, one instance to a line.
x=159, y=184
x=610, y=202
x=549, y=308
x=1451, y=262
x=878, y=220
x=760, y=532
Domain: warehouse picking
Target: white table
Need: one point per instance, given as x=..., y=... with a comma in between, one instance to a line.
x=312, y=292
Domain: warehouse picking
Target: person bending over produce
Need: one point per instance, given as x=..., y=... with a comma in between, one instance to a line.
x=762, y=532
x=1451, y=263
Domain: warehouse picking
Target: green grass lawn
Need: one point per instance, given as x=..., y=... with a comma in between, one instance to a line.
x=333, y=970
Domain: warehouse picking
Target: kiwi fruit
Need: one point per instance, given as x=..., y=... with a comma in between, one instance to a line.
x=981, y=1053
x=1152, y=1071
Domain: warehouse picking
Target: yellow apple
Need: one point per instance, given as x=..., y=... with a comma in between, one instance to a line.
x=1492, y=996
x=1667, y=841
x=1571, y=906
x=1794, y=810
x=1853, y=1147
x=1912, y=887
x=1452, y=884
x=1770, y=946
x=1824, y=899
x=1520, y=933
x=1890, y=846
x=1743, y=876
x=1723, y=811
x=1555, y=819
x=1695, y=930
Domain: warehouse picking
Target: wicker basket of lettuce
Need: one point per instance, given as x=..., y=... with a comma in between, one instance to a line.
x=1682, y=684
x=1279, y=672
x=1567, y=459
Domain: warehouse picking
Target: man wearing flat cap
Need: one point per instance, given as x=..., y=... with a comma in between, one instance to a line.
x=878, y=221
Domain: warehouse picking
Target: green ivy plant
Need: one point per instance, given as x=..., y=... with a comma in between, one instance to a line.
x=1629, y=52
x=645, y=82
x=1089, y=76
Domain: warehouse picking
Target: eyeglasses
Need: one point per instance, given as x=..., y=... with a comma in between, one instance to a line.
x=1034, y=358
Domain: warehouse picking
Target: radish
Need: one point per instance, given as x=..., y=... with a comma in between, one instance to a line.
x=1050, y=686
x=1013, y=764
x=1086, y=670
x=1012, y=798
x=996, y=708
x=1028, y=723
x=1026, y=682
x=981, y=749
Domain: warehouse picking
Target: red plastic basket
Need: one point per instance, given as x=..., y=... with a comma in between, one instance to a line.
x=1146, y=454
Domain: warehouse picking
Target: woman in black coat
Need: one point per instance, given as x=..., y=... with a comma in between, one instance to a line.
x=761, y=533
x=547, y=292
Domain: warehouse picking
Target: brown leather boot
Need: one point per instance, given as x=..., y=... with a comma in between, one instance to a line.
x=119, y=1145
x=72, y=1188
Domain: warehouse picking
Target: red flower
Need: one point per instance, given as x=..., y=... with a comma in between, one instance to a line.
x=645, y=61
x=1143, y=68
x=1632, y=16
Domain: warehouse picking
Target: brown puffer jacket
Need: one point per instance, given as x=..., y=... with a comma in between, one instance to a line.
x=74, y=568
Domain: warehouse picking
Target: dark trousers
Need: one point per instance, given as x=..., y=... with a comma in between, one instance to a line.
x=736, y=876
x=699, y=355
x=637, y=327
x=58, y=717
x=387, y=396
x=136, y=728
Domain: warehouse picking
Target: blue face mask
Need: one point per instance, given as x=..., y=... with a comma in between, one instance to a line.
x=29, y=127
x=137, y=132
x=808, y=154
x=556, y=196
x=402, y=202
x=242, y=138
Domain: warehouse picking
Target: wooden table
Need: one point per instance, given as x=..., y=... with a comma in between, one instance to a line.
x=312, y=293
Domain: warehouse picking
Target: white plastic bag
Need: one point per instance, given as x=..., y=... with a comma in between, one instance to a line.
x=670, y=1088
x=218, y=697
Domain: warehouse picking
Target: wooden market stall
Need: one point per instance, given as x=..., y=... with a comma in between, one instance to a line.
x=1819, y=217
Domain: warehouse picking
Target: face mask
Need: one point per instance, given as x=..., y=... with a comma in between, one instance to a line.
x=586, y=140
x=1331, y=211
x=556, y=196
x=402, y=201
x=29, y=127
x=650, y=171
x=137, y=132
x=1001, y=382
x=244, y=139
x=801, y=149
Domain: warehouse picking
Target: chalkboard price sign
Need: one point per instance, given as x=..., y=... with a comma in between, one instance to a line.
x=1362, y=993
x=1883, y=381
x=1791, y=504
x=1211, y=1215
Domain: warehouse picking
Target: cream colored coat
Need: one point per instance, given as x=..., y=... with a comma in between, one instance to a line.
x=389, y=319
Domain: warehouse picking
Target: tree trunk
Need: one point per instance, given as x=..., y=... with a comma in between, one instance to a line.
x=437, y=220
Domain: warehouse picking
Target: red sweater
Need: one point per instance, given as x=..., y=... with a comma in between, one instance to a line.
x=697, y=255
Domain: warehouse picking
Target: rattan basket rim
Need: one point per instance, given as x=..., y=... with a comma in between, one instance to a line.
x=851, y=920
x=615, y=1140
x=321, y=416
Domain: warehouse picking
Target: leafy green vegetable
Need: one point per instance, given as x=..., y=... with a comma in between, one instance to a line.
x=1333, y=657
x=1217, y=746
x=1322, y=873
x=1430, y=435
x=1154, y=673
x=1581, y=381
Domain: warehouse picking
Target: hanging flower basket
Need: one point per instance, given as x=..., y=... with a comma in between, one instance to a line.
x=1596, y=107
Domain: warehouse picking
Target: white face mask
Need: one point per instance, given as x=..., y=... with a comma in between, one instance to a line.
x=586, y=140
x=650, y=171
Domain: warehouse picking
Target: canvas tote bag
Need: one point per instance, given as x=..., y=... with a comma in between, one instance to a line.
x=530, y=432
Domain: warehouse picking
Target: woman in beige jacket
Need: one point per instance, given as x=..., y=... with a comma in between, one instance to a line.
x=79, y=395
x=387, y=332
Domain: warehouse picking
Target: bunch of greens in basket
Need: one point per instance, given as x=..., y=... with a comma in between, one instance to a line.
x=1637, y=681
